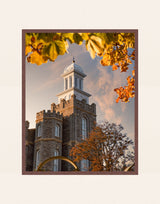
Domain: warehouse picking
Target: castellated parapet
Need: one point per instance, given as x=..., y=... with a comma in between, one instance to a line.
x=68, y=107
x=42, y=115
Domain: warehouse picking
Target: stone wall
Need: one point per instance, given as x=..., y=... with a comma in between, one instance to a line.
x=68, y=115
x=29, y=146
x=73, y=110
x=46, y=142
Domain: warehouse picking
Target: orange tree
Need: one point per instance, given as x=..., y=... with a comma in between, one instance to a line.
x=106, y=148
x=113, y=48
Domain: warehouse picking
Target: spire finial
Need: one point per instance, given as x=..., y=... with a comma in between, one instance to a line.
x=73, y=60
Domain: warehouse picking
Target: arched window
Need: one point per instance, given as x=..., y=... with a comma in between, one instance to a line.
x=55, y=162
x=84, y=165
x=39, y=131
x=84, y=128
x=37, y=158
x=57, y=131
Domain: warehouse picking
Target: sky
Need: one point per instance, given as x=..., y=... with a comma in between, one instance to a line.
x=44, y=82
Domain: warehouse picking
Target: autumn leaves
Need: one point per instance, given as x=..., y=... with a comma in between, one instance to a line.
x=113, y=48
x=107, y=149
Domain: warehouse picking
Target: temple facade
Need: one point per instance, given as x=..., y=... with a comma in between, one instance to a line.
x=64, y=125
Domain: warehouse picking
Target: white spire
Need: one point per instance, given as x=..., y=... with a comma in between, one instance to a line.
x=73, y=83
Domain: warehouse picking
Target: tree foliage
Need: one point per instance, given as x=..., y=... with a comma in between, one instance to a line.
x=106, y=148
x=113, y=48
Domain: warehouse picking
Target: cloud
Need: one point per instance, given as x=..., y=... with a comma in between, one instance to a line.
x=76, y=50
x=131, y=135
x=48, y=84
x=123, y=107
x=109, y=113
x=102, y=87
x=83, y=47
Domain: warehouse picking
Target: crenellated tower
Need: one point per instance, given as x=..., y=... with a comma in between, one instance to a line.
x=78, y=116
x=48, y=139
x=66, y=124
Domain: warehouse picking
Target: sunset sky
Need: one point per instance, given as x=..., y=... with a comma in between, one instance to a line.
x=44, y=82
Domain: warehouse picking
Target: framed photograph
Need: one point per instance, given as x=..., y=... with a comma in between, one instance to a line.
x=80, y=102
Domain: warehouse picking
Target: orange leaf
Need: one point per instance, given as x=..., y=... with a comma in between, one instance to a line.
x=117, y=100
x=133, y=72
x=114, y=67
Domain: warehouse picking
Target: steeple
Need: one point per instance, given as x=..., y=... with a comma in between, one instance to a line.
x=73, y=83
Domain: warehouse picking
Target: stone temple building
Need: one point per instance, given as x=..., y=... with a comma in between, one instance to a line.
x=64, y=125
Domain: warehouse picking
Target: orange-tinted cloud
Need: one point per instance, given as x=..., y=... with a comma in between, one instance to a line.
x=103, y=92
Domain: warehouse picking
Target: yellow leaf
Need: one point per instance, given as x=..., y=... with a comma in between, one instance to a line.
x=97, y=44
x=91, y=49
x=66, y=46
x=28, y=49
x=36, y=58
x=85, y=36
x=105, y=61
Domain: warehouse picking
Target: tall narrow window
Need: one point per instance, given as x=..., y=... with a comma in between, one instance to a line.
x=84, y=165
x=75, y=82
x=37, y=158
x=80, y=84
x=66, y=83
x=84, y=128
x=55, y=162
x=57, y=131
x=39, y=131
x=70, y=82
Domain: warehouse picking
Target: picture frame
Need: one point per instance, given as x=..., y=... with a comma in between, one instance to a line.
x=24, y=172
